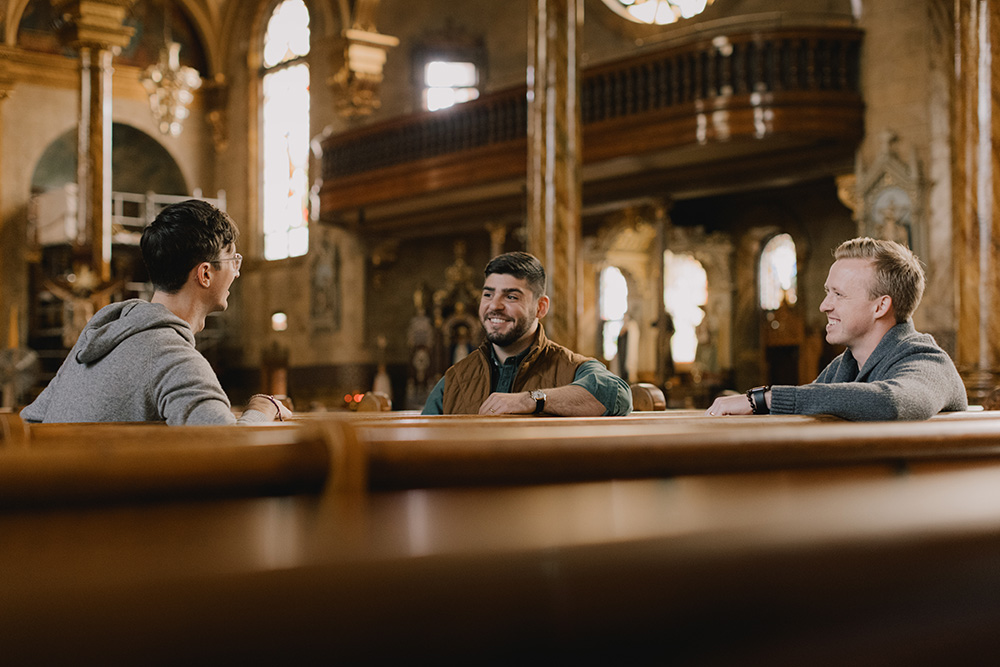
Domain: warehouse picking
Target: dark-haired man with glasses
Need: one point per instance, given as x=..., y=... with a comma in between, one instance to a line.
x=136, y=360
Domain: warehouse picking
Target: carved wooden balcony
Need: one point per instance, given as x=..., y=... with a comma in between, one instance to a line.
x=734, y=110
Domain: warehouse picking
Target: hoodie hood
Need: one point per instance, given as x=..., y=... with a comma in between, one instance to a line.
x=115, y=323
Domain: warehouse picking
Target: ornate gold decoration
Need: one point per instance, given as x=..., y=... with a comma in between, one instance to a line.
x=96, y=24
x=360, y=79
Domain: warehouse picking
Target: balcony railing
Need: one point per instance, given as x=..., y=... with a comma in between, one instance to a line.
x=649, y=102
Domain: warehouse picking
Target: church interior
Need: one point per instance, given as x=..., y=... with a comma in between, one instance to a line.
x=684, y=169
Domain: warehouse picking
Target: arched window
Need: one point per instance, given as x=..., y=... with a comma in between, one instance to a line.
x=284, y=134
x=685, y=291
x=613, y=306
x=778, y=272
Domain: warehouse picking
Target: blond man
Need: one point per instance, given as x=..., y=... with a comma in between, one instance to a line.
x=889, y=371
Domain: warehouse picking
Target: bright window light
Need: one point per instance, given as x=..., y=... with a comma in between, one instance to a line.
x=285, y=133
x=613, y=305
x=685, y=291
x=778, y=273
x=449, y=83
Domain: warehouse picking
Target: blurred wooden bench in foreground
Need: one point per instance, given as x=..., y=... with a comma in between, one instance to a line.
x=795, y=567
x=58, y=463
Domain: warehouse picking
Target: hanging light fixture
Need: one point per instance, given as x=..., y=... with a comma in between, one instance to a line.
x=170, y=85
x=658, y=12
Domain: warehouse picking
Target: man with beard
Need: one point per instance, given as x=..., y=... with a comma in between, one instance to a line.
x=889, y=371
x=517, y=370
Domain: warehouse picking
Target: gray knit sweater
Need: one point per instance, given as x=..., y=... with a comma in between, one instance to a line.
x=907, y=376
x=135, y=361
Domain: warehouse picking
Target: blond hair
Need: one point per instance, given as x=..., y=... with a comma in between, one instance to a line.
x=898, y=272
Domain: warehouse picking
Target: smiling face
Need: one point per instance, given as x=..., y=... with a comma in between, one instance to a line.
x=509, y=311
x=852, y=315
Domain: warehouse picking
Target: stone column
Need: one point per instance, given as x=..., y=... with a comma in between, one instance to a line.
x=94, y=28
x=498, y=236
x=976, y=194
x=9, y=297
x=554, y=157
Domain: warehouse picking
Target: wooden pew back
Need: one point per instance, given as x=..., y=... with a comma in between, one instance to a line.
x=471, y=451
x=104, y=463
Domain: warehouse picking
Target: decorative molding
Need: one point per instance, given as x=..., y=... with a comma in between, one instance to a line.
x=96, y=24
x=359, y=81
x=890, y=197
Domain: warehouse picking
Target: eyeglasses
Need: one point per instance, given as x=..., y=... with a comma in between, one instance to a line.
x=238, y=258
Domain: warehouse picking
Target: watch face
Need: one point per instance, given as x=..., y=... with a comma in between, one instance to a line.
x=538, y=395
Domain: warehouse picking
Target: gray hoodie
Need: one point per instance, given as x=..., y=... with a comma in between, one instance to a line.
x=135, y=361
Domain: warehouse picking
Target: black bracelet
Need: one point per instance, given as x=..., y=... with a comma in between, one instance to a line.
x=758, y=402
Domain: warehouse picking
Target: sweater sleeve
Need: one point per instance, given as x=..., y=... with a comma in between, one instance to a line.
x=609, y=389
x=35, y=412
x=186, y=390
x=915, y=386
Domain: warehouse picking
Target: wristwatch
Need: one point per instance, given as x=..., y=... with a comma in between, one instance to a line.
x=539, y=397
x=758, y=403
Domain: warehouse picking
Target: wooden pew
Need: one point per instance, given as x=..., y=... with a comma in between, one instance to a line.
x=424, y=452
x=472, y=451
x=765, y=568
x=62, y=464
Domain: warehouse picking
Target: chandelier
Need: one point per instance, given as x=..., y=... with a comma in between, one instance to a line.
x=658, y=12
x=169, y=86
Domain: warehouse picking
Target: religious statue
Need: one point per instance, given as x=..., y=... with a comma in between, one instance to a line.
x=83, y=294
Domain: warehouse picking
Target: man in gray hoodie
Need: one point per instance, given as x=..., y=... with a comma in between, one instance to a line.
x=889, y=371
x=136, y=360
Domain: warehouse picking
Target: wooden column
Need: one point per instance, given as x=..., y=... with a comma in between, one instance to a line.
x=94, y=28
x=554, y=157
x=976, y=194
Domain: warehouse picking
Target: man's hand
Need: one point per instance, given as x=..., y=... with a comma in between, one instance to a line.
x=520, y=403
x=568, y=401
x=269, y=405
x=730, y=405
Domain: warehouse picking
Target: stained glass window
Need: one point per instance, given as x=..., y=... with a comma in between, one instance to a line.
x=285, y=132
x=613, y=305
x=685, y=291
x=778, y=272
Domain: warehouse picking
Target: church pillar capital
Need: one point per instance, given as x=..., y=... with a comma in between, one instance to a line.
x=95, y=24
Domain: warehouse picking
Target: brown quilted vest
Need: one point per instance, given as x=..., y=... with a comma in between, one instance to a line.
x=547, y=365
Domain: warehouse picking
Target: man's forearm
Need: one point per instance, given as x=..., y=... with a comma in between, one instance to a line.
x=572, y=401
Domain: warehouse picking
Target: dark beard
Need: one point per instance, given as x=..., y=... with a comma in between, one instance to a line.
x=515, y=334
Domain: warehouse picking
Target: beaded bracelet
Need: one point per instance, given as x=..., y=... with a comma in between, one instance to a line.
x=274, y=401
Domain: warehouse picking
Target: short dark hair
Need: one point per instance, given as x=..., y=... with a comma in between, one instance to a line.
x=897, y=272
x=182, y=236
x=520, y=265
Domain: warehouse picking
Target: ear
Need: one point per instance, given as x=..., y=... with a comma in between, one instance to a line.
x=203, y=274
x=543, y=307
x=883, y=306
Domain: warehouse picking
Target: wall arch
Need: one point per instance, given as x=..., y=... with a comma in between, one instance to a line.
x=139, y=163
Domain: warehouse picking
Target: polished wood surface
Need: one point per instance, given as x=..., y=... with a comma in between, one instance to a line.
x=469, y=452
x=67, y=464
x=786, y=568
x=60, y=463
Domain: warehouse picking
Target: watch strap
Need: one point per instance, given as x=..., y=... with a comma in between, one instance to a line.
x=758, y=400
